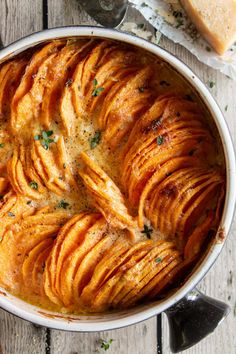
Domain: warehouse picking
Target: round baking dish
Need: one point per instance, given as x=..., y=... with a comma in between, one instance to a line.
x=185, y=303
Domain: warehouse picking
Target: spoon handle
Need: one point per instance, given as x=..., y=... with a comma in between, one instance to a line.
x=193, y=318
x=108, y=13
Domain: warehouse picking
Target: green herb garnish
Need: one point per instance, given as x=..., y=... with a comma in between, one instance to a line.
x=147, y=231
x=33, y=185
x=141, y=89
x=211, y=84
x=144, y=5
x=97, y=90
x=95, y=140
x=12, y=215
x=180, y=22
x=226, y=108
x=68, y=83
x=208, y=49
x=164, y=83
x=45, y=138
x=105, y=344
x=160, y=140
x=62, y=204
x=2, y=145
x=158, y=260
x=140, y=25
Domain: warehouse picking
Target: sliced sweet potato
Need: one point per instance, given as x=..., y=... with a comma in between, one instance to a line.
x=88, y=264
x=69, y=239
x=28, y=79
x=9, y=85
x=71, y=264
x=106, y=195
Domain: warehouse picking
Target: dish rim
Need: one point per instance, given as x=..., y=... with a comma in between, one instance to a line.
x=144, y=311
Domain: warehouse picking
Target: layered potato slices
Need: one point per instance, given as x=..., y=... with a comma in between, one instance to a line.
x=112, y=176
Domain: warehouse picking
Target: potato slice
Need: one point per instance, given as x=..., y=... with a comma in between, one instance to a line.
x=9, y=84
x=66, y=106
x=149, y=277
x=88, y=264
x=38, y=270
x=71, y=264
x=106, y=195
x=69, y=238
x=104, y=270
x=112, y=285
x=134, y=275
x=30, y=262
x=28, y=79
x=64, y=65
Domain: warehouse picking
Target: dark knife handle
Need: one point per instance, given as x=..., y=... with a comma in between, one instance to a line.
x=193, y=318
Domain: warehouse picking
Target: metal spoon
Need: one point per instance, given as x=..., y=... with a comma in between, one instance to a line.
x=109, y=13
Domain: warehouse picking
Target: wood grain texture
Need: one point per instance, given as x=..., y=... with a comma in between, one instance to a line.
x=21, y=17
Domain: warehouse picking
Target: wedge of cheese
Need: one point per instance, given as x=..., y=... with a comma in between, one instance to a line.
x=215, y=19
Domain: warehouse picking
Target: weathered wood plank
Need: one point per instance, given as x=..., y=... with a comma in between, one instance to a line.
x=220, y=281
x=138, y=339
x=19, y=18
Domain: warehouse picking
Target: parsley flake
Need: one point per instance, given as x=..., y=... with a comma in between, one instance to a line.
x=164, y=83
x=160, y=140
x=226, y=108
x=211, y=84
x=105, y=344
x=33, y=185
x=147, y=231
x=2, y=145
x=141, y=89
x=140, y=25
x=96, y=90
x=68, y=82
x=45, y=138
x=62, y=204
x=95, y=140
x=158, y=260
x=12, y=215
x=144, y=5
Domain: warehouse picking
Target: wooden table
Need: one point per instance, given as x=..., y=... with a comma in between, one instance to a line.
x=21, y=17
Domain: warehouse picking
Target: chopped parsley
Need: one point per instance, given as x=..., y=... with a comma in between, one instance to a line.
x=68, y=83
x=62, y=204
x=141, y=89
x=180, y=23
x=158, y=260
x=226, y=108
x=208, y=49
x=211, y=84
x=45, y=138
x=29, y=202
x=144, y=5
x=12, y=215
x=164, y=83
x=177, y=14
x=140, y=25
x=147, y=231
x=95, y=140
x=160, y=140
x=96, y=90
x=191, y=152
x=105, y=344
x=33, y=185
x=2, y=145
